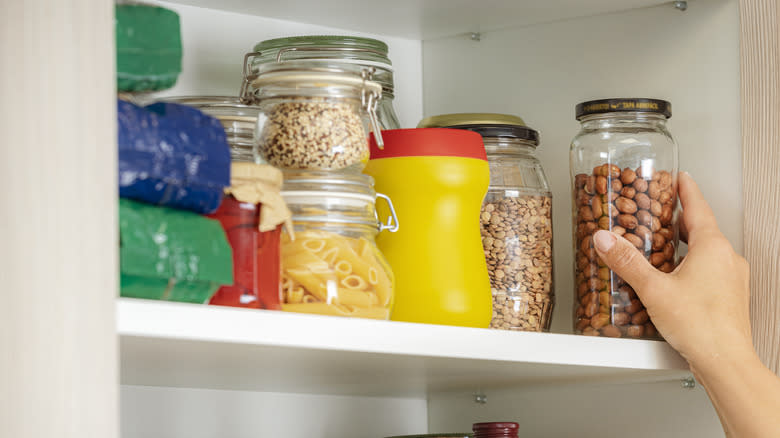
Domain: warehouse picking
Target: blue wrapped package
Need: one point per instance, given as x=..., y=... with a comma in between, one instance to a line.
x=172, y=155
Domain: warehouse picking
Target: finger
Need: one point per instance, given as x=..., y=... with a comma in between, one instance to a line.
x=697, y=216
x=625, y=260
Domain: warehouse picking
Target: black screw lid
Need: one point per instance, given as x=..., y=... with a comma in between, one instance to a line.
x=622, y=105
x=511, y=131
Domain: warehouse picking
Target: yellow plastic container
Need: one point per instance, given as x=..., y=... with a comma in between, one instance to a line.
x=437, y=179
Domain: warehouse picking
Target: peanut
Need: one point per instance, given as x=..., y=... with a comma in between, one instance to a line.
x=635, y=331
x=627, y=176
x=628, y=221
x=640, y=185
x=635, y=240
x=601, y=185
x=628, y=192
x=599, y=321
x=628, y=206
x=643, y=201
x=638, y=205
x=611, y=331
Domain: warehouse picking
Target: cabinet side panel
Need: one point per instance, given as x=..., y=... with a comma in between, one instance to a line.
x=206, y=413
x=540, y=72
x=58, y=239
x=760, y=68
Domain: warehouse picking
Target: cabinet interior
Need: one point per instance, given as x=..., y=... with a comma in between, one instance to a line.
x=536, y=59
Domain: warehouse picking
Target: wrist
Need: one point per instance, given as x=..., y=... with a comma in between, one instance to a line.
x=725, y=364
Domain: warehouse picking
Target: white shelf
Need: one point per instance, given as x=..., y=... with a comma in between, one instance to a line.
x=423, y=19
x=185, y=345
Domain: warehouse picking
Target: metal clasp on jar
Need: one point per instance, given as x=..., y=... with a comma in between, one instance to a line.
x=370, y=100
x=244, y=95
x=325, y=49
x=392, y=221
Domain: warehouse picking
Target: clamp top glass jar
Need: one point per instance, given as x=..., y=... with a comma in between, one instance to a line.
x=331, y=265
x=516, y=220
x=313, y=115
x=238, y=119
x=624, y=173
x=347, y=51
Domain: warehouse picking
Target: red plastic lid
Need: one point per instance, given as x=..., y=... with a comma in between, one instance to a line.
x=429, y=142
x=495, y=430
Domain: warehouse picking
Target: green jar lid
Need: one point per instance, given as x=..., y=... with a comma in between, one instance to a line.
x=461, y=119
x=355, y=47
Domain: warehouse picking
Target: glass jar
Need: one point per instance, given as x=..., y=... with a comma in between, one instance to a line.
x=349, y=51
x=624, y=173
x=331, y=265
x=313, y=116
x=239, y=121
x=516, y=221
x=254, y=236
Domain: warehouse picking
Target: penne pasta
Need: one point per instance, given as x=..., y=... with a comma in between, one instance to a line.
x=343, y=268
x=336, y=310
x=354, y=282
x=359, y=266
x=311, y=282
x=372, y=313
x=373, y=277
x=313, y=245
x=353, y=298
x=330, y=274
x=384, y=289
x=310, y=299
x=298, y=245
x=305, y=259
x=294, y=295
x=287, y=284
x=330, y=255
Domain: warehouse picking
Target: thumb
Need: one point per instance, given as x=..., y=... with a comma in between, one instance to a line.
x=624, y=259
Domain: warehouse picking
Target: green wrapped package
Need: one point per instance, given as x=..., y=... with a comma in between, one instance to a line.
x=172, y=255
x=148, y=48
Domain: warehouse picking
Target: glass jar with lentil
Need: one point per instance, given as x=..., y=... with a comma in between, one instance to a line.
x=516, y=220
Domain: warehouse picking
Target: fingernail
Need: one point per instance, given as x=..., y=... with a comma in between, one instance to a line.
x=604, y=240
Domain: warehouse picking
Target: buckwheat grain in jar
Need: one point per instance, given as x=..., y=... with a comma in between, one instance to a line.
x=347, y=51
x=515, y=221
x=313, y=116
x=624, y=166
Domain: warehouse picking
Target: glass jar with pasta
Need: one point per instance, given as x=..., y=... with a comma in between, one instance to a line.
x=330, y=263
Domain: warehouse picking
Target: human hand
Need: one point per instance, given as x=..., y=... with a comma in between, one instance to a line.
x=702, y=307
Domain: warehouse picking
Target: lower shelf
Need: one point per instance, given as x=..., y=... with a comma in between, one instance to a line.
x=187, y=345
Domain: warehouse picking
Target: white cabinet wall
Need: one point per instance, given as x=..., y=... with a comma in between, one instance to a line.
x=540, y=72
x=535, y=58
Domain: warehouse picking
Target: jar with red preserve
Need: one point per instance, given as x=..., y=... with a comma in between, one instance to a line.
x=624, y=174
x=496, y=430
x=252, y=214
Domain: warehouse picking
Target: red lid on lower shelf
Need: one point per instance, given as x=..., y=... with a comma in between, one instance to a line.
x=495, y=430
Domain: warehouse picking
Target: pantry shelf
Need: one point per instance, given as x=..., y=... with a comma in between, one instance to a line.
x=186, y=345
x=417, y=19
